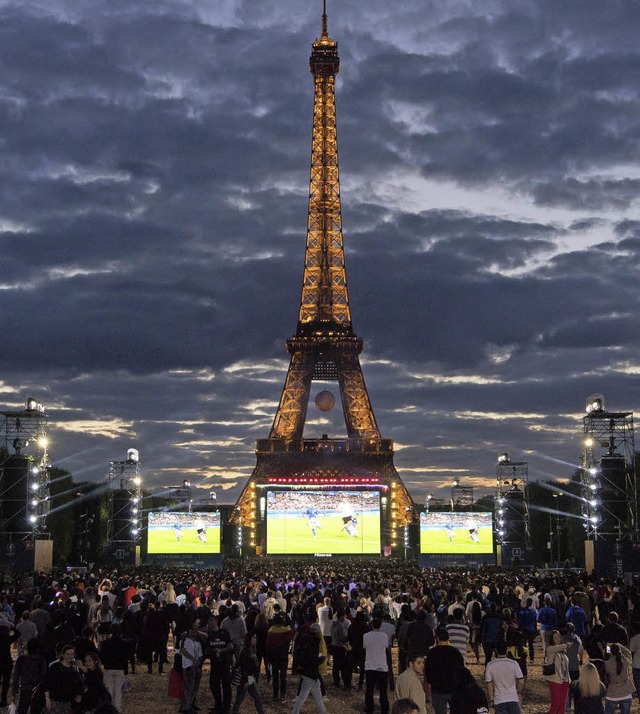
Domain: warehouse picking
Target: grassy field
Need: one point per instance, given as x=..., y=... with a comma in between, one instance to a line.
x=436, y=540
x=291, y=536
x=163, y=540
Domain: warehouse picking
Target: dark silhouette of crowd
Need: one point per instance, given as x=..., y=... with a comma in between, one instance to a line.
x=71, y=642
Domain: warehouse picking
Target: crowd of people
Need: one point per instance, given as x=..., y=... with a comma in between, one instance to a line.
x=70, y=642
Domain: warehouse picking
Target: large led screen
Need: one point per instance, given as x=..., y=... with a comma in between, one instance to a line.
x=304, y=522
x=183, y=533
x=466, y=533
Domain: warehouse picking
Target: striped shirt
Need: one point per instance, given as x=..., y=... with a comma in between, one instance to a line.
x=459, y=637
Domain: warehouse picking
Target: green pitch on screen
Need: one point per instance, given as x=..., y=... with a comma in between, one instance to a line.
x=292, y=536
x=436, y=540
x=163, y=540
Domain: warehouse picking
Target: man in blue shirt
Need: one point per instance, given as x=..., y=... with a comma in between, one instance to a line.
x=528, y=624
x=578, y=618
x=548, y=620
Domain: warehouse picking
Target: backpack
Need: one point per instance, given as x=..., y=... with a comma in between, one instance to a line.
x=476, y=613
x=305, y=646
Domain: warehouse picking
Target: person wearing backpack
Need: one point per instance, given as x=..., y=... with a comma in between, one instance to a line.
x=308, y=660
x=475, y=616
x=556, y=671
x=618, y=681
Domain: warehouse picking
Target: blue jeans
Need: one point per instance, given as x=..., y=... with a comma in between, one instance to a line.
x=309, y=686
x=508, y=708
x=610, y=707
x=636, y=679
x=439, y=701
x=253, y=692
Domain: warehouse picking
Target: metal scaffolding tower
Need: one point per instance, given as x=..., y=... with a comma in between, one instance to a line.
x=511, y=503
x=124, y=525
x=24, y=473
x=608, y=480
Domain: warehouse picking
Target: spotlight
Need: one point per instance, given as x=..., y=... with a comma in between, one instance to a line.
x=33, y=518
x=593, y=471
x=503, y=458
x=593, y=486
x=34, y=486
x=594, y=519
x=35, y=470
x=34, y=503
x=42, y=442
x=593, y=502
x=137, y=480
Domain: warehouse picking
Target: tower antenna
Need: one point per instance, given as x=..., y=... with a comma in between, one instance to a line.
x=325, y=32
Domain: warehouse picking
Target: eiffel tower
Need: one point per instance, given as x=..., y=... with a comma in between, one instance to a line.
x=324, y=349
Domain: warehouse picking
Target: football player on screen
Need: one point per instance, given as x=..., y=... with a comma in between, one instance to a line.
x=473, y=531
x=312, y=520
x=450, y=532
x=177, y=532
x=350, y=524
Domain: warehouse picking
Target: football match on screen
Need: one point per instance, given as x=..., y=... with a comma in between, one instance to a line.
x=306, y=522
x=456, y=533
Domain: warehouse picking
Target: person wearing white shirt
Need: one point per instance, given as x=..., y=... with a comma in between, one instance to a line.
x=191, y=652
x=375, y=645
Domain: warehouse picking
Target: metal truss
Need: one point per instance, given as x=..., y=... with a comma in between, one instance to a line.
x=25, y=434
x=511, y=502
x=608, y=479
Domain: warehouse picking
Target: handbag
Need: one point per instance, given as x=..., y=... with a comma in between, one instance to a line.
x=548, y=670
x=126, y=685
x=236, y=676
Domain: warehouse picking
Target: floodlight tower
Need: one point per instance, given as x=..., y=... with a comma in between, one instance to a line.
x=125, y=504
x=608, y=481
x=511, y=503
x=461, y=496
x=24, y=474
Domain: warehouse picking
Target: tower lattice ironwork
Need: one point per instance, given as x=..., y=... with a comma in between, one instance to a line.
x=325, y=348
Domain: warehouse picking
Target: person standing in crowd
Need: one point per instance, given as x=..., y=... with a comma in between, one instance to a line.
x=469, y=697
x=491, y=632
x=459, y=633
x=248, y=663
x=30, y=669
x=235, y=626
x=27, y=630
x=575, y=652
x=8, y=635
x=219, y=649
x=588, y=691
x=614, y=632
x=63, y=683
x=634, y=648
x=95, y=693
x=620, y=686
x=325, y=618
x=279, y=639
x=340, y=648
x=191, y=651
x=442, y=670
x=505, y=682
x=555, y=658
x=527, y=619
x=578, y=618
x=308, y=661
x=375, y=644
x=409, y=684
x=114, y=659
x=548, y=619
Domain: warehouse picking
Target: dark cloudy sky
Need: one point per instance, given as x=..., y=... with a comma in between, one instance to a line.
x=154, y=167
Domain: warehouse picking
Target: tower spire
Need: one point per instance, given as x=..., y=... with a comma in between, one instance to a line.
x=325, y=32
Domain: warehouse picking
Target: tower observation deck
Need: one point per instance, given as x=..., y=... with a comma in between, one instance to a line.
x=354, y=470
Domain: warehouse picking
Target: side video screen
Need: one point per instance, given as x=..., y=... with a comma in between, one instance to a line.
x=305, y=522
x=183, y=533
x=456, y=533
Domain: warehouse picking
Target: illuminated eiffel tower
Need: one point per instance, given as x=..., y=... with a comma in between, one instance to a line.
x=325, y=349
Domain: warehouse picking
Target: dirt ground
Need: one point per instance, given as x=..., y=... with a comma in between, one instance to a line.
x=149, y=694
